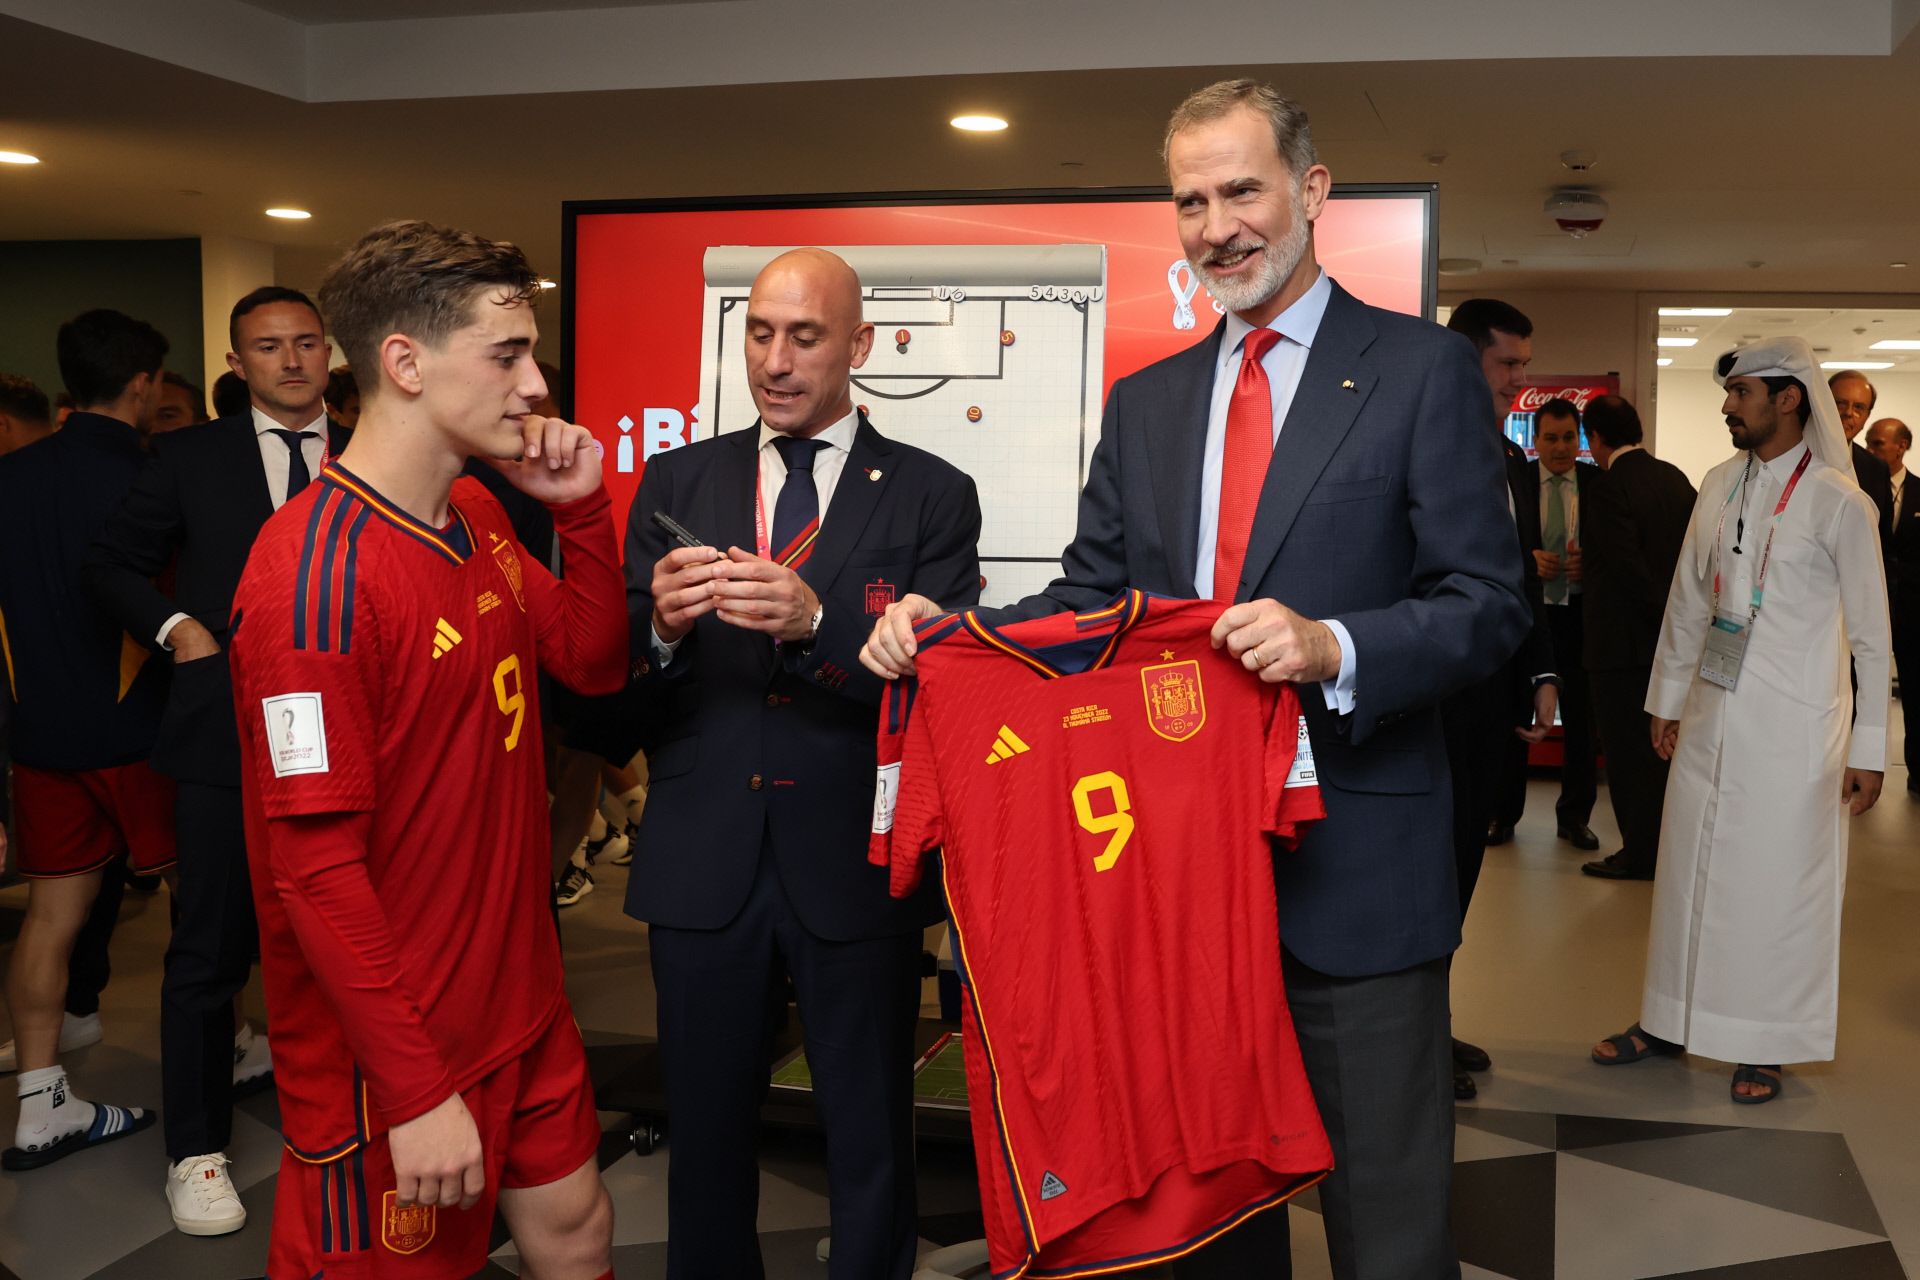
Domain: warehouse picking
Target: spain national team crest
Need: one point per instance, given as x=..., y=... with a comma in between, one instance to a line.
x=503, y=555
x=407, y=1229
x=880, y=594
x=1176, y=705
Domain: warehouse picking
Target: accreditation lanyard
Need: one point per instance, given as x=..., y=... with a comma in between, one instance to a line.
x=1766, y=554
x=762, y=543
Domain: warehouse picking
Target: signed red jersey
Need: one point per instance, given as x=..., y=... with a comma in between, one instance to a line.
x=1108, y=791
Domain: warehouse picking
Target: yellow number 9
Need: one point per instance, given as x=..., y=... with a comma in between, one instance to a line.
x=1119, y=823
x=512, y=703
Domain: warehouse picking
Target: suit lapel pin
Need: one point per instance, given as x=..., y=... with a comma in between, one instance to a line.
x=873, y=473
x=1347, y=385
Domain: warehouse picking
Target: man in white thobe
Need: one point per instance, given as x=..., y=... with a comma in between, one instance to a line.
x=1779, y=585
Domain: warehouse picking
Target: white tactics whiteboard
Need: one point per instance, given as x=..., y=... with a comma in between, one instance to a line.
x=987, y=355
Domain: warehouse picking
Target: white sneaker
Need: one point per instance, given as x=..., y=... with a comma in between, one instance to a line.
x=252, y=1058
x=202, y=1197
x=613, y=847
x=75, y=1033
x=577, y=885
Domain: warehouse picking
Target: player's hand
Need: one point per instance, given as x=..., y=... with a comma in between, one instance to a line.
x=1278, y=643
x=1859, y=789
x=436, y=1158
x=191, y=641
x=1546, y=564
x=889, y=650
x=558, y=461
x=1575, y=559
x=1666, y=736
x=1546, y=697
x=682, y=589
x=759, y=595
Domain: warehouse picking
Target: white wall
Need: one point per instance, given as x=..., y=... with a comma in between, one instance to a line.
x=1692, y=434
x=230, y=269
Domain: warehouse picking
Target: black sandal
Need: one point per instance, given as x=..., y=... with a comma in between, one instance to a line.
x=1748, y=1074
x=1625, y=1052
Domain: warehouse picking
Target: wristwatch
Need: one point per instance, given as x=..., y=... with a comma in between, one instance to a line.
x=813, y=628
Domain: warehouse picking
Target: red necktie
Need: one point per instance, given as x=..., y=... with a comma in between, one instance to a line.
x=1243, y=468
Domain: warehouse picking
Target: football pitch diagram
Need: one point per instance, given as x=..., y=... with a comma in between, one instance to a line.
x=990, y=356
x=939, y=1077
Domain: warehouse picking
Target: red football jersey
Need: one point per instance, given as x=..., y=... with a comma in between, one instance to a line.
x=1107, y=789
x=385, y=683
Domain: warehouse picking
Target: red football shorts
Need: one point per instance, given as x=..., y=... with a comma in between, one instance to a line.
x=340, y=1220
x=70, y=822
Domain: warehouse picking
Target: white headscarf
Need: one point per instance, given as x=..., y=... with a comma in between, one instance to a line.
x=1793, y=358
x=1789, y=358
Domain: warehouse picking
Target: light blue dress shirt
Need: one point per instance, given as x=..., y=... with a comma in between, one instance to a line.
x=1284, y=362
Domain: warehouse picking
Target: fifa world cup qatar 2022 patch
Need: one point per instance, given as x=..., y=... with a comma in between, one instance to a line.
x=296, y=734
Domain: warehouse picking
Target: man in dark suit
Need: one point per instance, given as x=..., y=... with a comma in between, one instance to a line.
x=1373, y=562
x=197, y=507
x=1856, y=395
x=1888, y=440
x=759, y=727
x=1633, y=525
x=1553, y=500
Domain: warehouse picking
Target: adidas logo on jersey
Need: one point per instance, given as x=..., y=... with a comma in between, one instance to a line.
x=1051, y=1186
x=444, y=638
x=1006, y=746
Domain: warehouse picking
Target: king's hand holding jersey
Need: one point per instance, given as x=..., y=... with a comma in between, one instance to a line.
x=1103, y=787
x=408, y=950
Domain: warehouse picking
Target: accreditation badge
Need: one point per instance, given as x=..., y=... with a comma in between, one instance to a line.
x=1726, y=651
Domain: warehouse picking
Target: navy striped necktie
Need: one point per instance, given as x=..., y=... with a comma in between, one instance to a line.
x=796, y=513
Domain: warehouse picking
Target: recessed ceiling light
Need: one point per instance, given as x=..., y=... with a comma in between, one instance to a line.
x=1856, y=364
x=1676, y=342
x=978, y=124
x=1664, y=361
x=295, y=215
x=18, y=157
x=1696, y=311
x=1896, y=264
x=548, y=284
x=1459, y=266
x=1896, y=344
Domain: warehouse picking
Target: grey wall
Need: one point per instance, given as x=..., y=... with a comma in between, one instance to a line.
x=46, y=282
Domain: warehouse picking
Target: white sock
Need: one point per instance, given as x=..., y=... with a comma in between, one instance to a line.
x=631, y=802
x=612, y=810
x=48, y=1109
x=242, y=1041
x=597, y=830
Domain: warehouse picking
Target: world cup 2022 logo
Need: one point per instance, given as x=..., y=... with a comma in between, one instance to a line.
x=1176, y=703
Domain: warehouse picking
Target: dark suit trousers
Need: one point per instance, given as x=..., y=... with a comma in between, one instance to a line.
x=1906, y=659
x=1636, y=777
x=718, y=1002
x=1478, y=726
x=214, y=942
x=1380, y=1062
x=1577, y=785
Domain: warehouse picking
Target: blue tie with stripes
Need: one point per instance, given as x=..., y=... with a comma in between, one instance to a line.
x=796, y=513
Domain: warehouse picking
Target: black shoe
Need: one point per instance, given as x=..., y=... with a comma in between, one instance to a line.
x=1499, y=833
x=1612, y=868
x=1470, y=1057
x=1464, y=1087
x=1580, y=837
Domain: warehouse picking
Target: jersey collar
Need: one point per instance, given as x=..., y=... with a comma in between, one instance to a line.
x=455, y=542
x=1095, y=638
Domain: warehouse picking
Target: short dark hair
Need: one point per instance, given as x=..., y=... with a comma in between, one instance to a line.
x=198, y=396
x=265, y=294
x=419, y=279
x=1776, y=385
x=1477, y=318
x=101, y=351
x=22, y=398
x=342, y=386
x=1613, y=421
x=230, y=395
x=1873, y=392
x=1558, y=407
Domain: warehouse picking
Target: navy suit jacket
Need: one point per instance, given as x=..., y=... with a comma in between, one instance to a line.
x=196, y=508
x=749, y=748
x=1382, y=508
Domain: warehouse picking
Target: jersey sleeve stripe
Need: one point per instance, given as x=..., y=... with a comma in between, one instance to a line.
x=306, y=565
x=329, y=566
x=346, y=588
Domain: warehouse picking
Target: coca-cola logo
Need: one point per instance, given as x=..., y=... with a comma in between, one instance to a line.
x=1533, y=399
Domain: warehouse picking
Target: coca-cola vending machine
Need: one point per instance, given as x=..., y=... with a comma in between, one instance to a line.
x=1577, y=388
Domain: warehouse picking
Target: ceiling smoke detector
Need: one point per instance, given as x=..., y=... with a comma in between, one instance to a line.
x=1576, y=210
x=1578, y=161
